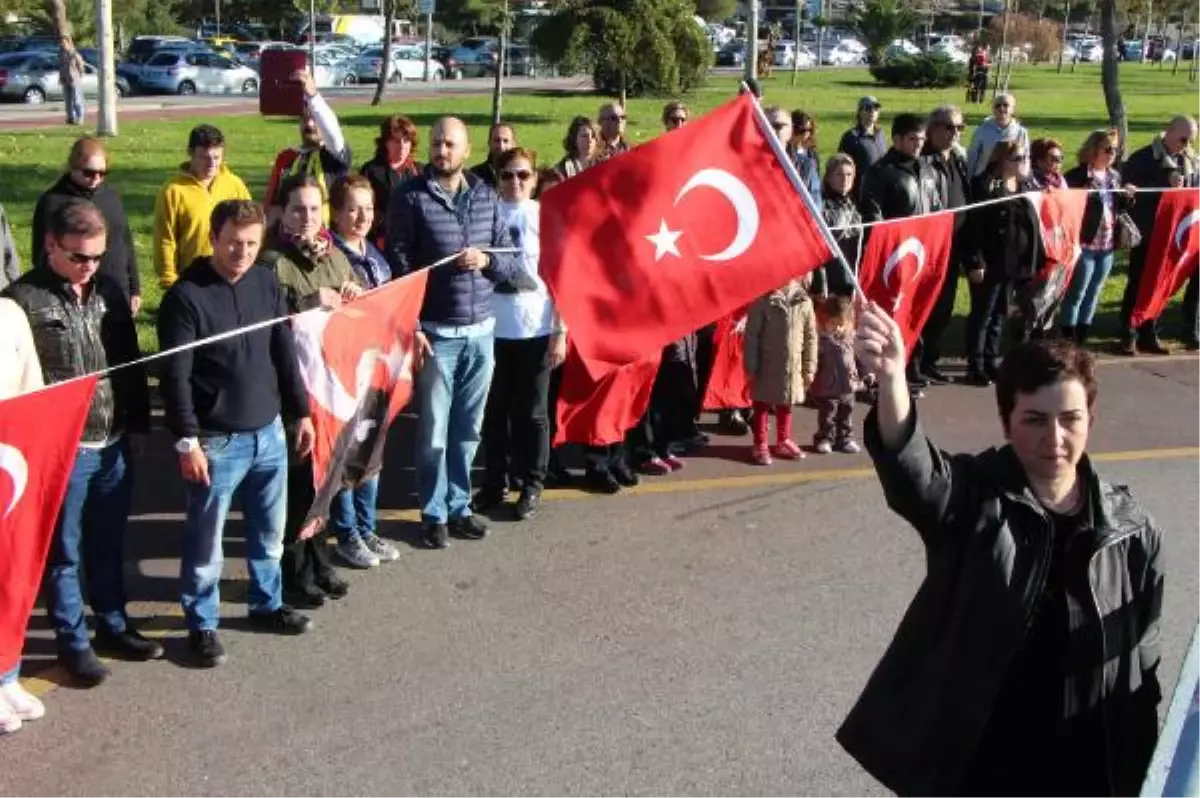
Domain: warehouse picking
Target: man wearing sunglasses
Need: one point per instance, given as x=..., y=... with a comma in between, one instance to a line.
x=81, y=323
x=86, y=178
x=501, y=139
x=1002, y=125
x=1166, y=162
x=675, y=115
x=612, y=132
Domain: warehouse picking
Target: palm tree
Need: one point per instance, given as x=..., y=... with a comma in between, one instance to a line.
x=880, y=22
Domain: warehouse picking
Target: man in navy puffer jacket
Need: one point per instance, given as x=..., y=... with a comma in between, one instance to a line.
x=444, y=212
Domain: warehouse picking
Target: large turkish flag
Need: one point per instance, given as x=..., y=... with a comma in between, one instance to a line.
x=904, y=266
x=1172, y=256
x=36, y=458
x=653, y=244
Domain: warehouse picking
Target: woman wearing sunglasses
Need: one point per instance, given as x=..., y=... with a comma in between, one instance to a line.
x=1047, y=157
x=1002, y=125
x=1098, y=234
x=85, y=178
x=530, y=343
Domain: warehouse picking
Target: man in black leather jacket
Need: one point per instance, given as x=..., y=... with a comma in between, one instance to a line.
x=900, y=183
x=81, y=323
x=1027, y=662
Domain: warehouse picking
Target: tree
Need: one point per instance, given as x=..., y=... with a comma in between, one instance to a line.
x=469, y=16
x=385, y=68
x=880, y=22
x=1110, y=79
x=716, y=10
x=630, y=46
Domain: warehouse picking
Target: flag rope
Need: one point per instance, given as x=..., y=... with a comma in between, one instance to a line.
x=249, y=328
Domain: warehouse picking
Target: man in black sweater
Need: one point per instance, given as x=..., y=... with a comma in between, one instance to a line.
x=224, y=402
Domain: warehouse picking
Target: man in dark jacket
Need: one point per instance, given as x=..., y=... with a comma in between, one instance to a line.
x=81, y=324
x=448, y=214
x=945, y=157
x=87, y=170
x=901, y=184
x=225, y=403
x=501, y=139
x=1166, y=162
x=864, y=142
x=1027, y=662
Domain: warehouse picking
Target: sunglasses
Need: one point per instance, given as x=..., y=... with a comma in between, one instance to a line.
x=959, y=126
x=677, y=120
x=521, y=174
x=82, y=259
x=615, y=118
x=805, y=130
x=1054, y=158
x=1000, y=105
x=92, y=174
x=778, y=126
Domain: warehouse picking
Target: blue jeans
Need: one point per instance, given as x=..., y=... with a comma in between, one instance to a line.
x=253, y=467
x=75, y=107
x=452, y=387
x=1091, y=270
x=353, y=510
x=90, y=532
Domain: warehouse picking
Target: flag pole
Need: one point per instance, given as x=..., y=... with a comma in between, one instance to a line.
x=798, y=184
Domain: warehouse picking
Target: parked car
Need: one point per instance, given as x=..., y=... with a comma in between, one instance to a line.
x=732, y=54
x=408, y=63
x=1188, y=51
x=330, y=72
x=842, y=55
x=445, y=57
x=474, y=62
x=32, y=77
x=519, y=60
x=142, y=47
x=179, y=72
x=948, y=50
x=91, y=56
x=900, y=48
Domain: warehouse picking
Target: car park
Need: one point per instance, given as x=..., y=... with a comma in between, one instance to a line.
x=91, y=56
x=843, y=55
x=732, y=54
x=475, y=61
x=32, y=78
x=408, y=63
x=190, y=72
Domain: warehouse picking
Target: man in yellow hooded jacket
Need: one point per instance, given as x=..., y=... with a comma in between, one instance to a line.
x=185, y=202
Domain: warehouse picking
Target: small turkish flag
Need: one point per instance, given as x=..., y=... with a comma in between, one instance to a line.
x=654, y=244
x=728, y=388
x=1173, y=253
x=1060, y=213
x=904, y=266
x=599, y=411
x=357, y=364
x=36, y=459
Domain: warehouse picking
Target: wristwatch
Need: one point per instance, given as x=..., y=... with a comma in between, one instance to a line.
x=187, y=445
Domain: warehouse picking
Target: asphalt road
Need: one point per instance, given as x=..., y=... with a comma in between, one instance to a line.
x=704, y=634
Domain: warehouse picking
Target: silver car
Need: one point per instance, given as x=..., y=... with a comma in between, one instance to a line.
x=179, y=72
x=33, y=78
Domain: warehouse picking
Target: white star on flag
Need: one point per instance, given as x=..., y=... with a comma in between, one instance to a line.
x=664, y=241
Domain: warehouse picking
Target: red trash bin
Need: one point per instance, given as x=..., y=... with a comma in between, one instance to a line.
x=278, y=94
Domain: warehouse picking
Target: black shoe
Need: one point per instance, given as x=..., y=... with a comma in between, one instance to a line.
x=1068, y=332
x=127, y=644
x=283, y=621
x=601, y=482
x=527, y=505
x=624, y=475
x=557, y=476
x=732, y=423
x=435, y=536
x=206, y=648
x=84, y=666
x=936, y=376
x=1152, y=346
x=333, y=586
x=977, y=379
x=469, y=527
x=487, y=498
x=307, y=597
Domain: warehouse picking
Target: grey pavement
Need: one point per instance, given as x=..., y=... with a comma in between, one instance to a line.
x=703, y=636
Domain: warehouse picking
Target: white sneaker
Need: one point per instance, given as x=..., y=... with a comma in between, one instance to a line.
x=10, y=721
x=357, y=555
x=824, y=447
x=24, y=704
x=385, y=551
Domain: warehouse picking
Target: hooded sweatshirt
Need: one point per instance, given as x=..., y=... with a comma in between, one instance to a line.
x=987, y=136
x=181, y=214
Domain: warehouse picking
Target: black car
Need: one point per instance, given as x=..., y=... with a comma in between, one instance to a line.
x=732, y=55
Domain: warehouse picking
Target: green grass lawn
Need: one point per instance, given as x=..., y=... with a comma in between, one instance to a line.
x=1066, y=106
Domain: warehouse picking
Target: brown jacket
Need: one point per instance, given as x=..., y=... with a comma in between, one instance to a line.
x=837, y=371
x=781, y=346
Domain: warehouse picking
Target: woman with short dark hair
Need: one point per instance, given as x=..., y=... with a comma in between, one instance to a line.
x=1027, y=662
x=580, y=145
x=392, y=166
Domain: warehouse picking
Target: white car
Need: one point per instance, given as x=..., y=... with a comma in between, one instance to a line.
x=844, y=56
x=951, y=52
x=788, y=54
x=407, y=64
x=900, y=48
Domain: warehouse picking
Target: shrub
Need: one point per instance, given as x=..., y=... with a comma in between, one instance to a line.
x=923, y=71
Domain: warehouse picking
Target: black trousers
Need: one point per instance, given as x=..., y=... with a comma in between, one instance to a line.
x=304, y=562
x=516, y=423
x=985, y=324
x=706, y=349
x=601, y=459
x=670, y=420
x=1137, y=264
x=928, y=349
x=834, y=419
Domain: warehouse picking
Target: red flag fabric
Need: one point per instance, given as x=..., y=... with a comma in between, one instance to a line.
x=728, y=388
x=599, y=411
x=1173, y=253
x=653, y=244
x=36, y=459
x=357, y=364
x=1061, y=215
x=904, y=266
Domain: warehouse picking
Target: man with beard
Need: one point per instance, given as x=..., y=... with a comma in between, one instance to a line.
x=448, y=212
x=323, y=152
x=501, y=139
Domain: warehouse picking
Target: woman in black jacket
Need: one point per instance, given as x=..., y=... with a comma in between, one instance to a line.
x=1098, y=235
x=393, y=165
x=1003, y=258
x=86, y=178
x=841, y=215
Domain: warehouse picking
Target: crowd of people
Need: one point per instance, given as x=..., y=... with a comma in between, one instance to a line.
x=490, y=347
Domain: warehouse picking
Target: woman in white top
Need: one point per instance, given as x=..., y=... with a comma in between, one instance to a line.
x=530, y=343
x=20, y=372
